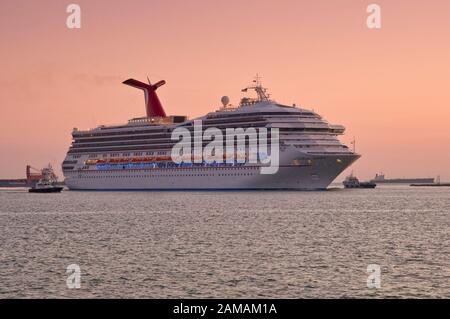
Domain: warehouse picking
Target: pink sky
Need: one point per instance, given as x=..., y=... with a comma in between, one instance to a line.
x=390, y=88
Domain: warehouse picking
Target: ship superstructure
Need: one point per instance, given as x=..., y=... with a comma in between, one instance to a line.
x=137, y=155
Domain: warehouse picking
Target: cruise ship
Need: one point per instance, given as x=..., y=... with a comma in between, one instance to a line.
x=137, y=155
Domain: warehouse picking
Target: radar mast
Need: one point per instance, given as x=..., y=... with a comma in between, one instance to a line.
x=259, y=89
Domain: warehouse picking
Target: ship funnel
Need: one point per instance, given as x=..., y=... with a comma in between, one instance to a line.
x=152, y=104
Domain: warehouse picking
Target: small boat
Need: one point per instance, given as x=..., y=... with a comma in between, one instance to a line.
x=436, y=183
x=47, y=184
x=45, y=188
x=379, y=178
x=353, y=182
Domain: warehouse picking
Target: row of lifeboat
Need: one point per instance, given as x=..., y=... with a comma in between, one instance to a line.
x=128, y=160
x=140, y=160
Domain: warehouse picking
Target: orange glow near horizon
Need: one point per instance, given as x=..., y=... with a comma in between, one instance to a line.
x=390, y=88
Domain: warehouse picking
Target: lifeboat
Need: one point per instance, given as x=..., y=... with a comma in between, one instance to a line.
x=116, y=160
x=162, y=158
x=90, y=162
x=233, y=157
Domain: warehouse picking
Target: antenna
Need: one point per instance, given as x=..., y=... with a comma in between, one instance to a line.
x=260, y=90
x=354, y=144
x=257, y=80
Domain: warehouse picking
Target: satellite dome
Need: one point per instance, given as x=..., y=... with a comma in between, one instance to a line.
x=225, y=100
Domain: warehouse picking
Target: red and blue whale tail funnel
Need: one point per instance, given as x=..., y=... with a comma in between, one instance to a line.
x=152, y=103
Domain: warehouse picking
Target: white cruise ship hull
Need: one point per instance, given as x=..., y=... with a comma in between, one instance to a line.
x=315, y=176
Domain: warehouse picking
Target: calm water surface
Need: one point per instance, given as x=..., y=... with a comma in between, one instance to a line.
x=226, y=244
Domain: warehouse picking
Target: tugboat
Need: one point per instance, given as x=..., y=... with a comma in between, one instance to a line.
x=352, y=182
x=47, y=184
